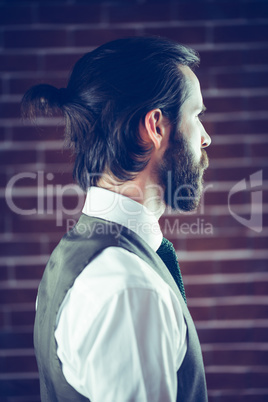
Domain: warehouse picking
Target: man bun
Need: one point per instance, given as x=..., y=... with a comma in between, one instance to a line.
x=42, y=100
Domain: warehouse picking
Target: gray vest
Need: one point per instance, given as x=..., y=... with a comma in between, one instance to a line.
x=76, y=249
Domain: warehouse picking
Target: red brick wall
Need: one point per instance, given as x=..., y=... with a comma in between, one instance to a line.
x=224, y=262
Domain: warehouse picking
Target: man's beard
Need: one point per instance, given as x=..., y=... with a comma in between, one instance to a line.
x=181, y=176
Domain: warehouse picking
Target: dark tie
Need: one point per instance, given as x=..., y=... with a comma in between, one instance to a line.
x=168, y=255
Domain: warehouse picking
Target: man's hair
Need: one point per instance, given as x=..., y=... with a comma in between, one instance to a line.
x=110, y=90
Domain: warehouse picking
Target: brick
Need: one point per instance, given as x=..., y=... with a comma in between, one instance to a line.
x=249, y=395
x=16, y=339
x=27, y=398
x=235, y=104
x=10, y=110
x=229, y=312
x=185, y=34
x=73, y=14
x=227, y=334
x=256, y=56
x=20, y=224
x=30, y=179
x=18, y=86
x=249, y=32
x=37, y=133
x=34, y=213
x=232, y=57
x=2, y=320
x=237, y=381
x=259, y=243
x=108, y=1
x=3, y=134
x=241, y=357
x=227, y=151
x=35, y=38
x=228, y=218
x=15, y=2
x=63, y=156
x=259, y=288
x=217, y=198
x=29, y=206
x=9, y=364
x=3, y=180
x=254, y=9
x=257, y=103
x=227, y=174
x=97, y=36
x=217, y=243
x=206, y=11
x=1, y=86
x=260, y=150
x=221, y=58
x=221, y=198
x=194, y=268
x=18, y=62
x=229, y=221
x=18, y=157
x=5, y=222
x=62, y=178
x=9, y=248
x=29, y=272
x=231, y=266
x=209, y=174
x=52, y=245
x=17, y=387
x=37, y=208
x=224, y=104
x=173, y=226
x=9, y=15
x=3, y=272
x=61, y=62
x=139, y=12
x=239, y=126
x=22, y=318
x=241, y=79
x=24, y=399
x=13, y=295
x=34, y=178
x=204, y=79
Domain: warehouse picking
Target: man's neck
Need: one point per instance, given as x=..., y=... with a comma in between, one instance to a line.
x=141, y=189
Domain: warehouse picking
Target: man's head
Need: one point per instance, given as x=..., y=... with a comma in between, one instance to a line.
x=180, y=172
x=110, y=92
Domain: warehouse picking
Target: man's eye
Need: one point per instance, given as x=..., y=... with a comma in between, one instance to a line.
x=200, y=115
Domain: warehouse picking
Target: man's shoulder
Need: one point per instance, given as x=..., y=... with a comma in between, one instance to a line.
x=116, y=274
x=119, y=269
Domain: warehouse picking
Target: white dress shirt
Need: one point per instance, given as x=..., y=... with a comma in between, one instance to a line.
x=120, y=330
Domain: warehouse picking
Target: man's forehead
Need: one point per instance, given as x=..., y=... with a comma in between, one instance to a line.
x=189, y=74
x=194, y=98
x=191, y=79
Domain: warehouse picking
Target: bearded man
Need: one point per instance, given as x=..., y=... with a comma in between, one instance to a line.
x=112, y=323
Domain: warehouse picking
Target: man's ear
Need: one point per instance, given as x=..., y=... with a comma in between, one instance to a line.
x=156, y=128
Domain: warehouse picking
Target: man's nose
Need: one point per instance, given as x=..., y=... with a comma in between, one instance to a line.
x=206, y=140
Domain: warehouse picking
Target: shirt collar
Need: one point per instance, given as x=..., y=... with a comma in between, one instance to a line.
x=114, y=207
